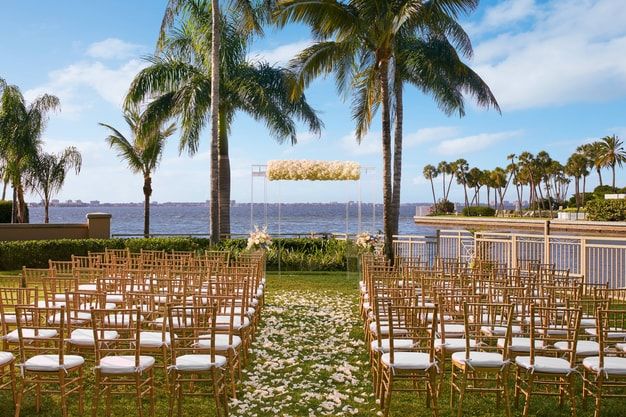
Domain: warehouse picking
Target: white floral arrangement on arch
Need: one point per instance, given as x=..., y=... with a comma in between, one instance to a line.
x=259, y=239
x=369, y=242
x=299, y=170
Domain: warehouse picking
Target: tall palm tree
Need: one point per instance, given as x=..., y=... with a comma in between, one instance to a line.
x=462, y=169
x=142, y=153
x=374, y=48
x=592, y=152
x=500, y=183
x=430, y=172
x=513, y=169
x=611, y=153
x=576, y=167
x=251, y=23
x=48, y=174
x=21, y=127
x=177, y=84
x=443, y=168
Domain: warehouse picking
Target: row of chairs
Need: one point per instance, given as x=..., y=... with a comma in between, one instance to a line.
x=193, y=319
x=489, y=322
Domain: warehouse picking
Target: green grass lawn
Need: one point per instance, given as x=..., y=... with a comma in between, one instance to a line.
x=309, y=359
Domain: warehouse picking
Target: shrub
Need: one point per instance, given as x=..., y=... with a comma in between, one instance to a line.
x=601, y=190
x=6, y=208
x=545, y=203
x=588, y=197
x=483, y=211
x=295, y=254
x=606, y=210
x=442, y=207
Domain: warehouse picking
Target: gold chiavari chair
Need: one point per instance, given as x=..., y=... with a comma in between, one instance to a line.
x=411, y=355
x=55, y=290
x=34, y=276
x=483, y=368
x=548, y=366
x=7, y=358
x=86, y=261
x=604, y=375
x=118, y=256
x=195, y=361
x=62, y=268
x=78, y=320
x=121, y=364
x=44, y=364
x=88, y=277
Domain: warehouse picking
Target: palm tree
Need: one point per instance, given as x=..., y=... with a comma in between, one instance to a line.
x=251, y=22
x=576, y=167
x=21, y=127
x=373, y=48
x=443, y=168
x=462, y=168
x=49, y=171
x=513, y=169
x=178, y=85
x=611, y=153
x=500, y=183
x=431, y=172
x=592, y=151
x=142, y=153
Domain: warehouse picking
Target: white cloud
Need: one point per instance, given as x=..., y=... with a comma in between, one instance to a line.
x=429, y=134
x=281, y=54
x=109, y=82
x=571, y=52
x=474, y=143
x=371, y=143
x=113, y=48
x=504, y=14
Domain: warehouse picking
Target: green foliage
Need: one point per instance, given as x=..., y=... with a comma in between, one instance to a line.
x=588, y=197
x=544, y=204
x=600, y=191
x=6, y=206
x=573, y=210
x=606, y=210
x=295, y=254
x=442, y=207
x=479, y=211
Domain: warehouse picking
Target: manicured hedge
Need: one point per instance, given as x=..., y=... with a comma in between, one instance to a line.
x=295, y=254
x=482, y=211
x=606, y=210
x=6, y=209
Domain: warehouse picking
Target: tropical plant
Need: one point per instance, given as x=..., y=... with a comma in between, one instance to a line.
x=462, y=168
x=611, y=153
x=142, y=153
x=430, y=172
x=21, y=127
x=513, y=169
x=374, y=48
x=210, y=21
x=179, y=81
x=576, y=167
x=500, y=184
x=48, y=172
x=592, y=152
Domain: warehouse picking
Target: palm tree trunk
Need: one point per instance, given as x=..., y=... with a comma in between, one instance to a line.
x=465, y=192
x=432, y=187
x=147, y=192
x=224, y=176
x=4, y=190
x=215, y=98
x=613, y=169
x=21, y=204
x=46, y=211
x=397, y=155
x=599, y=175
x=14, y=206
x=584, y=188
x=443, y=182
x=449, y=185
x=577, y=194
x=386, y=138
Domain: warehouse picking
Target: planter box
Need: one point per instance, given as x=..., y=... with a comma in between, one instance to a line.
x=564, y=215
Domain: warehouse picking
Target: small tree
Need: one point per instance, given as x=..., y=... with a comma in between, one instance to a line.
x=430, y=172
x=49, y=171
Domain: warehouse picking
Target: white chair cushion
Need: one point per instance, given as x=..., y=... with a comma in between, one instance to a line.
x=12, y=319
x=520, y=344
x=222, y=342
x=115, y=298
x=398, y=344
x=119, y=320
x=614, y=333
x=453, y=330
x=384, y=329
x=13, y=337
x=408, y=360
x=198, y=363
x=84, y=337
x=179, y=322
x=583, y=347
x=238, y=322
x=6, y=358
x=620, y=346
x=500, y=330
x=50, y=363
x=587, y=322
x=124, y=364
x=612, y=365
x=88, y=287
x=154, y=339
x=453, y=345
x=545, y=364
x=479, y=359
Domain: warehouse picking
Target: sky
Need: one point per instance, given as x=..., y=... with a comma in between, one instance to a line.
x=556, y=67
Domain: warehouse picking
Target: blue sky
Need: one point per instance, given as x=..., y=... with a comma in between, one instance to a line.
x=557, y=68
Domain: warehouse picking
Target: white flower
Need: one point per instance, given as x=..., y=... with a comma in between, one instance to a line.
x=313, y=170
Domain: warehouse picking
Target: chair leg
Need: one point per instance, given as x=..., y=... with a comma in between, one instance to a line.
x=459, y=406
x=19, y=397
x=138, y=398
x=388, y=392
x=434, y=392
x=505, y=389
x=81, y=391
x=96, y=396
x=529, y=390
x=570, y=393
x=13, y=383
x=172, y=386
x=152, y=392
x=62, y=393
x=598, y=395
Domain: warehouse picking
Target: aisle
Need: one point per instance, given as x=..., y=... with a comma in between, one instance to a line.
x=308, y=359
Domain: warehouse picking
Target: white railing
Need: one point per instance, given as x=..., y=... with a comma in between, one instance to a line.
x=598, y=259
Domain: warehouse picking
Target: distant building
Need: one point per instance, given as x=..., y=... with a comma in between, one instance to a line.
x=94, y=203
